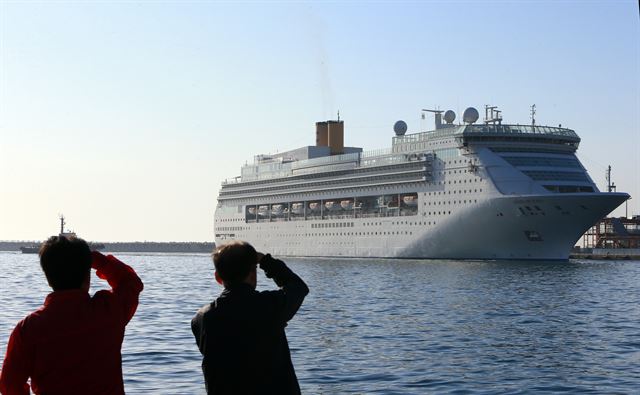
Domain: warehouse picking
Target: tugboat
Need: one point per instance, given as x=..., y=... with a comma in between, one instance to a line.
x=34, y=249
x=30, y=249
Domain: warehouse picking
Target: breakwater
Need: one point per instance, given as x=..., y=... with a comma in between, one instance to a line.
x=142, y=246
x=607, y=253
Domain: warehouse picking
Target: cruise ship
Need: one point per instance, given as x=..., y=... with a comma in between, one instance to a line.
x=470, y=190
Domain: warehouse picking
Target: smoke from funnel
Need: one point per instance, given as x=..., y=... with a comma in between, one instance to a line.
x=317, y=37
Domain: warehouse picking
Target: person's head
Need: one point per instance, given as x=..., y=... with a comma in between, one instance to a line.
x=66, y=263
x=235, y=263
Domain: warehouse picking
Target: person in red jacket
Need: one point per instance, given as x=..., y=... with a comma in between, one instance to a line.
x=71, y=345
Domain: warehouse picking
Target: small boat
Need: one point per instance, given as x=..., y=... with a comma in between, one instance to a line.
x=30, y=249
x=34, y=249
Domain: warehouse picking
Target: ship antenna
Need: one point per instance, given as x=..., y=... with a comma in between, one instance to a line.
x=533, y=115
x=492, y=115
x=62, y=223
x=438, y=115
x=611, y=187
x=338, y=115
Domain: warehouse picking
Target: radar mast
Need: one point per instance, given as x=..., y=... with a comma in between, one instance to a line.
x=492, y=115
x=438, y=114
x=533, y=115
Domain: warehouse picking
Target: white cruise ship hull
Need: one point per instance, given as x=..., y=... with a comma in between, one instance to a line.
x=497, y=228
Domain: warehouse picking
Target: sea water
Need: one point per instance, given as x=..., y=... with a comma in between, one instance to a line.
x=391, y=326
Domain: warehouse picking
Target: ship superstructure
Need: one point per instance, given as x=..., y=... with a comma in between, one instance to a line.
x=465, y=191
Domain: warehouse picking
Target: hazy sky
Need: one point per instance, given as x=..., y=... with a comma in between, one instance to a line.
x=126, y=116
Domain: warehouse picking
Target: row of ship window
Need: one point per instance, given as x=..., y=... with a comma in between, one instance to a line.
x=449, y=182
x=461, y=161
x=283, y=217
x=391, y=233
x=379, y=233
x=322, y=174
x=463, y=181
x=351, y=224
x=455, y=191
x=328, y=181
x=542, y=161
x=556, y=175
x=360, y=183
x=359, y=189
x=393, y=205
x=440, y=203
x=381, y=177
x=333, y=225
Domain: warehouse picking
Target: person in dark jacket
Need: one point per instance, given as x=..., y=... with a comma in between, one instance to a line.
x=241, y=333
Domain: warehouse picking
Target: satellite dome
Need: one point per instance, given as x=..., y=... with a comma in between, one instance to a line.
x=449, y=116
x=470, y=115
x=400, y=128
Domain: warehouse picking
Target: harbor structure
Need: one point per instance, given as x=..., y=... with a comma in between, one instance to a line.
x=614, y=233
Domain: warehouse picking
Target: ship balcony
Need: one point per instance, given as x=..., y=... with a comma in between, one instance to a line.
x=394, y=179
x=333, y=177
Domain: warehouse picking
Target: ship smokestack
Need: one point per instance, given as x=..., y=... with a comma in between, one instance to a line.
x=330, y=134
x=336, y=137
x=322, y=134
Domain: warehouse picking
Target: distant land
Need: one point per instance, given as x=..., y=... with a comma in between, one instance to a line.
x=138, y=246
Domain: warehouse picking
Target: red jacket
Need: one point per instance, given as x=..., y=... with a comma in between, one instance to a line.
x=71, y=345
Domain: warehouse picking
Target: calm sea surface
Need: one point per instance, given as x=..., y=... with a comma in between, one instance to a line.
x=392, y=326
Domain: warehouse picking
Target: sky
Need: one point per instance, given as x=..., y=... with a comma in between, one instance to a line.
x=125, y=116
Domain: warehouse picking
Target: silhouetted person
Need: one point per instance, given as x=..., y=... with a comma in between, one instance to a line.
x=71, y=345
x=241, y=333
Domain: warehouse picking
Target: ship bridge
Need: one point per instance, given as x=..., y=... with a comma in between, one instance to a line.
x=495, y=135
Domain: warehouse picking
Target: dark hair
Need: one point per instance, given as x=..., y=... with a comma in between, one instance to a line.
x=234, y=261
x=65, y=261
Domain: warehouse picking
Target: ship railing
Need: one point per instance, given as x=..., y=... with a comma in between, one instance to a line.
x=375, y=152
x=326, y=160
x=285, y=182
x=373, y=158
x=405, y=176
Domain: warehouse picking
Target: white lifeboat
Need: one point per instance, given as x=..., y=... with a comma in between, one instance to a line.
x=410, y=200
x=251, y=210
x=346, y=204
x=314, y=206
x=331, y=206
x=297, y=208
x=277, y=209
x=263, y=211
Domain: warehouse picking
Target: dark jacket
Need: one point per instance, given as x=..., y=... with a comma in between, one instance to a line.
x=241, y=335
